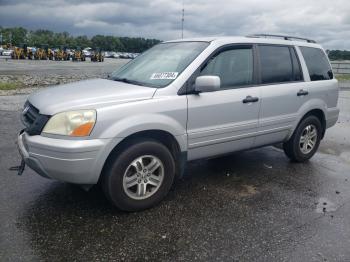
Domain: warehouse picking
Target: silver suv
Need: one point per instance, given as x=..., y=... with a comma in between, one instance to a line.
x=179, y=101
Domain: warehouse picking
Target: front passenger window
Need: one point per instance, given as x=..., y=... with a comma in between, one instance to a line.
x=234, y=67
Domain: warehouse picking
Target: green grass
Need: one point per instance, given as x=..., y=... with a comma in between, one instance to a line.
x=8, y=86
x=343, y=77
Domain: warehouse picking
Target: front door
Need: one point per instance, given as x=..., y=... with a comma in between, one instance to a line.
x=226, y=120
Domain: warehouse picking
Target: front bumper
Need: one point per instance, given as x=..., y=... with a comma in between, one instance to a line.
x=73, y=161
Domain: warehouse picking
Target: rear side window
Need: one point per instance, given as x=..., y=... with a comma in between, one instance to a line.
x=317, y=63
x=276, y=64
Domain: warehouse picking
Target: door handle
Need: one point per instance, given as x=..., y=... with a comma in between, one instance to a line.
x=302, y=93
x=250, y=99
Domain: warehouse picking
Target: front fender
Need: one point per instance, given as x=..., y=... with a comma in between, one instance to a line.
x=143, y=122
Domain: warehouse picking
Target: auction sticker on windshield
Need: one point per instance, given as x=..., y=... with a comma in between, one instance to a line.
x=164, y=75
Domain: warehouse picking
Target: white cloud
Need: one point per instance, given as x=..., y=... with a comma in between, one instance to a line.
x=327, y=22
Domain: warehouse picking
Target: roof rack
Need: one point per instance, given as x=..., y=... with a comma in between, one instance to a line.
x=285, y=37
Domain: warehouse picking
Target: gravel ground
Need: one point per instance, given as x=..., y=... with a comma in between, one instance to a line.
x=31, y=75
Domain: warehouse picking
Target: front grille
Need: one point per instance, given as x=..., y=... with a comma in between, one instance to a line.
x=33, y=120
x=29, y=114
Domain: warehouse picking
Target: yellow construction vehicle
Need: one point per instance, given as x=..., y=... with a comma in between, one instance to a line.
x=97, y=56
x=30, y=53
x=78, y=55
x=19, y=52
x=7, y=46
x=61, y=54
x=50, y=54
x=41, y=53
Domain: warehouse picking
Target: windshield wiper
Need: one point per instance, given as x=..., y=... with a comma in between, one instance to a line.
x=129, y=81
x=134, y=82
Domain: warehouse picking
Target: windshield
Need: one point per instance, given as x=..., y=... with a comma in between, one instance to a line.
x=160, y=65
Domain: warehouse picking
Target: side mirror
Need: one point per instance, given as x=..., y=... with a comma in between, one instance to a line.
x=207, y=84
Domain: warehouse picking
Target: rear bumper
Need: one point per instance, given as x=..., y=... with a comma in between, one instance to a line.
x=73, y=161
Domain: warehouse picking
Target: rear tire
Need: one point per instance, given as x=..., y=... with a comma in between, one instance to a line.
x=305, y=140
x=129, y=180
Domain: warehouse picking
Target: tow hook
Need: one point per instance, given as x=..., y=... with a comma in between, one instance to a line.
x=19, y=168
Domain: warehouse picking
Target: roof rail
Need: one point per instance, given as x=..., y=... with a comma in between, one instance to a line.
x=285, y=37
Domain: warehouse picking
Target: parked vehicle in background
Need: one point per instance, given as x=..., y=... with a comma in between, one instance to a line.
x=179, y=101
x=43, y=53
x=20, y=52
x=116, y=55
x=70, y=53
x=61, y=54
x=30, y=53
x=97, y=55
x=7, y=52
x=108, y=54
x=124, y=55
x=4, y=48
x=78, y=55
x=87, y=52
x=50, y=54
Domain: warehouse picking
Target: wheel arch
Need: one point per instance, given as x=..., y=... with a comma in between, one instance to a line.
x=319, y=113
x=175, y=146
x=321, y=116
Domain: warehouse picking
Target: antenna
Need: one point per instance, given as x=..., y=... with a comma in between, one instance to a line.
x=182, y=20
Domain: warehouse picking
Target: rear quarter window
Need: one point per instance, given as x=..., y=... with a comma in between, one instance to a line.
x=317, y=63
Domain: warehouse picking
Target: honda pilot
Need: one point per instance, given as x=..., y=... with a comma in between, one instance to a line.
x=181, y=100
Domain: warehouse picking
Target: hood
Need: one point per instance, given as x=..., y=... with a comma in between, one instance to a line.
x=87, y=94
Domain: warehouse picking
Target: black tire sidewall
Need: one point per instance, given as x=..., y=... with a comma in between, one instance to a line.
x=113, y=177
x=297, y=154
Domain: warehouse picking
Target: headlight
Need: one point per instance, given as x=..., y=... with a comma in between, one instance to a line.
x=73, y=123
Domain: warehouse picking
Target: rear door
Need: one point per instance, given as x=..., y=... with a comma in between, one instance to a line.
x=283, y=92
x=225, y=120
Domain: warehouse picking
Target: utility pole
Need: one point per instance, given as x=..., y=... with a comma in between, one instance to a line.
x=182, y=20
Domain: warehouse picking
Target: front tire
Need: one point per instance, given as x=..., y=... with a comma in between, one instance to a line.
x=305, y=140
x=140, y=176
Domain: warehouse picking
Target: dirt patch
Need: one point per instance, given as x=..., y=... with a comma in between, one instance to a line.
x=240, y=191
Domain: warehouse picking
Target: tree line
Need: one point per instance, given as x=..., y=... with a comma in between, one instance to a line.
x=19, y=35
x=338, y=54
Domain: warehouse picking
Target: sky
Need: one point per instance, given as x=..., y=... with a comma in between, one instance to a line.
x=328, y=22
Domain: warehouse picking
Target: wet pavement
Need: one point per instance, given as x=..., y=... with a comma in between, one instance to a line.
x=249, y=206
